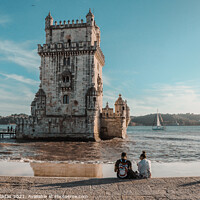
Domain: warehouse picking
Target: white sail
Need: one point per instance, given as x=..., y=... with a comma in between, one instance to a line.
x=161, y=118
x=158, y=120
x=158, y=125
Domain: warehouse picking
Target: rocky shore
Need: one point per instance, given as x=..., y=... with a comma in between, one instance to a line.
x=99, y=188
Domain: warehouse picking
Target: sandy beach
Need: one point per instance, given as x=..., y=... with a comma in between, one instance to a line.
x=95, y=188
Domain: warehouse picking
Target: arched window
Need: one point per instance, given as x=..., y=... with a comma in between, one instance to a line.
x=68, y=61
x=64, y=61
x=65, y=99
x=65, y=79
x=69, y=42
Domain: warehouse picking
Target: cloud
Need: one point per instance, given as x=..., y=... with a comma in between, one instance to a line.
x=15, y=98
x=168, y=98
x=13, y=108
x=20, y=79
x=19, y=53
x=4, y=19
x=106, y=80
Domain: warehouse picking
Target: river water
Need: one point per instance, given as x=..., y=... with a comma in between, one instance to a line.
x=176, y=146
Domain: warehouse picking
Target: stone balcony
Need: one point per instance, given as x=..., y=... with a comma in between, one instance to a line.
x=66, y=47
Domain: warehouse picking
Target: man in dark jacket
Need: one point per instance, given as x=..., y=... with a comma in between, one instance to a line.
x=123, y=167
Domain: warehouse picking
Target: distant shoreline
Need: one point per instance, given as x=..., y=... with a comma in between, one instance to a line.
x=12, y=124
x=188, y=119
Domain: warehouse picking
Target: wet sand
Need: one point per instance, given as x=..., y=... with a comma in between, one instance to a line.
x=64, y=169
x=95, y=188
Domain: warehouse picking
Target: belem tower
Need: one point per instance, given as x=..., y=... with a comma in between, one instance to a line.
x=68, y=104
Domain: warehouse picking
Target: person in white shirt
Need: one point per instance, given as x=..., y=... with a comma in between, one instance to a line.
x=144, y=166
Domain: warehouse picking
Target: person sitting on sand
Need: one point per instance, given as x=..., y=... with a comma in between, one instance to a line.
x=144, y=166
x=123, y=166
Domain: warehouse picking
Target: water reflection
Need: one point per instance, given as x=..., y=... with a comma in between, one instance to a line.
x=67, y=170
x=49, y=169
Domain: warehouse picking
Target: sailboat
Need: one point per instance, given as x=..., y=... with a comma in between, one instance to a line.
x=158, y=126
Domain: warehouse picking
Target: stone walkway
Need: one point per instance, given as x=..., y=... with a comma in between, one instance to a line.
x=105, y=188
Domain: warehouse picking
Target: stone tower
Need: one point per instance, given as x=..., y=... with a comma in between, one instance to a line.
x=68, y=104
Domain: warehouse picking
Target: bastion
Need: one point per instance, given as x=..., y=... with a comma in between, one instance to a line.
x=68, y=104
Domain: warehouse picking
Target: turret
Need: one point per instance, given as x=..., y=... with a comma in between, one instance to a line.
x=120, y=107
x=107, y=111
x=90, y=18
x=48, y=24
x=48, y=21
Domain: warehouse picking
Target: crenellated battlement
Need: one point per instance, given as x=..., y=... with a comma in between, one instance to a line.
x=68, y=24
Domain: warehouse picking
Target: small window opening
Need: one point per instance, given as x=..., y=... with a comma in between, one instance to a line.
x=68, y=61
x=65, y=99
x=69, y=42
x=66, y=79
x=64, y=61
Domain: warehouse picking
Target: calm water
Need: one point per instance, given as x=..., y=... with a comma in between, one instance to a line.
x=176, y=144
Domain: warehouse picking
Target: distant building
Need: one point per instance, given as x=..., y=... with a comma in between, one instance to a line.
x=68, y=104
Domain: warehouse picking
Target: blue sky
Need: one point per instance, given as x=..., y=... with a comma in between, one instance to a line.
x=151, y=50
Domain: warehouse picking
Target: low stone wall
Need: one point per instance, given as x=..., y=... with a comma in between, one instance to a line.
x=113, y=127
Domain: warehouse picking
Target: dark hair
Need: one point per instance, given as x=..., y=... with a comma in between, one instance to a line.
x=123, y=154
x=143, y=155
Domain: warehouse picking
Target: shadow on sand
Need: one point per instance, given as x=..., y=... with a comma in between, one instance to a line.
x=190, y=184
x=93, y=181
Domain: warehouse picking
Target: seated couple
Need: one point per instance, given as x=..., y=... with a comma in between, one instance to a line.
x=123, y=167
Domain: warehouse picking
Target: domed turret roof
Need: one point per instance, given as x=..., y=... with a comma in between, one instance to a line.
x=120, y=101
x=107, y=106
x=40, y=93
x=89, y=13
x=33, y=103
x=49, y=16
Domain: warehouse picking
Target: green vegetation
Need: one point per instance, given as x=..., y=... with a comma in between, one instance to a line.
x=187, y=119
x=11, y=119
